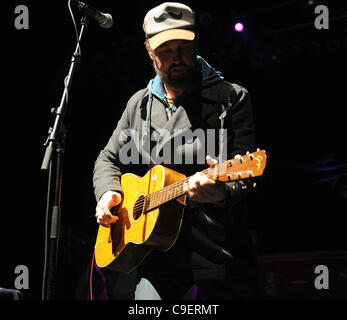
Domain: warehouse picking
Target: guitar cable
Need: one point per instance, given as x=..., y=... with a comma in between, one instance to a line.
x=91, y=276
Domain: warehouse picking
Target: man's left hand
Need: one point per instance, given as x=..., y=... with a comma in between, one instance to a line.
x=201, y=188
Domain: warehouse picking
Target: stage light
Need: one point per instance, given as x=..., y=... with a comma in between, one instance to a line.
x=238, y=27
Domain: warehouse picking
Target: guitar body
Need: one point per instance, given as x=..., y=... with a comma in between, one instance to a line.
x=125, y=244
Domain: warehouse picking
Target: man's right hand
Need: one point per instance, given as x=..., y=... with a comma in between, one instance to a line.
x=103, y=214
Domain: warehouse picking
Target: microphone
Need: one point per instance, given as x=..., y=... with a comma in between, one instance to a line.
x=105, y=20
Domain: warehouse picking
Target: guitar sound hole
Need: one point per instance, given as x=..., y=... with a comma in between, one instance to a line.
x=138, y=207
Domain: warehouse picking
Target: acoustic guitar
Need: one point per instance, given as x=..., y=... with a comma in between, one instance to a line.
x=151, y=212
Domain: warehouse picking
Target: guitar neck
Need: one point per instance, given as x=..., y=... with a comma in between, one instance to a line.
x=175, y=190
x=166, y=194
x=241, y=167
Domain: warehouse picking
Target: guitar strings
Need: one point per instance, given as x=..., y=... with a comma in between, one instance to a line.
x=156, y=195
x=161, y=193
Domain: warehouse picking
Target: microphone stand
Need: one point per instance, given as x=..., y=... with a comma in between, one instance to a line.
x=55, y=145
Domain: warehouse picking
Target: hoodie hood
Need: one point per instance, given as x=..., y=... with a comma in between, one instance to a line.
x=208, y=76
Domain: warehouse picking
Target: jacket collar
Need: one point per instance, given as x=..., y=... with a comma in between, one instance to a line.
x=207, y=76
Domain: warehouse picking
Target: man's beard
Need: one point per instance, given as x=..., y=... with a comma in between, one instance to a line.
x=180, y=81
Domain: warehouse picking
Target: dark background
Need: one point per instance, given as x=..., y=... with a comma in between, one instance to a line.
x=296, y=76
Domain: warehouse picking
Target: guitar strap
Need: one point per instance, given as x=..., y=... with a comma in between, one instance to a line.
x=222, y=141
x=221, y=95
x=207, y=231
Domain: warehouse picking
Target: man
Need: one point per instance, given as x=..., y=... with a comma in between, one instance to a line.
x=212, y=257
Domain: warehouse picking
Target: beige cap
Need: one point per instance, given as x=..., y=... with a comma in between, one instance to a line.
x=169, y=21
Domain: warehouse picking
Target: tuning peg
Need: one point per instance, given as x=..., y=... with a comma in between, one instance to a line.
x=239, y=175
x=247, y=153
x=251, y=156
x=238, y=157
x=254, y=185
x=258, y=149
x=250, y=172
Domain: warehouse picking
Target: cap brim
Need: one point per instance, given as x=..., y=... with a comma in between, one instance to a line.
x=167, y=35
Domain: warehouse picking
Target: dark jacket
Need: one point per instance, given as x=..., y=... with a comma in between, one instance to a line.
x=214, y=243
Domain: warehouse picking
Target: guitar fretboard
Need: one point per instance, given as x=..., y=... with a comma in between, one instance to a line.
x=247, y=166
x=157, y=198
x=170, y=192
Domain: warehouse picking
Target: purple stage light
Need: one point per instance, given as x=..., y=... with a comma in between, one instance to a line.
x=238, y=27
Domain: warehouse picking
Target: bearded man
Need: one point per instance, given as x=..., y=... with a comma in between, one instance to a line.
x=213, y=256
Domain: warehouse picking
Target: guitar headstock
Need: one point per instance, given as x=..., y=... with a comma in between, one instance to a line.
x=241, y=167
